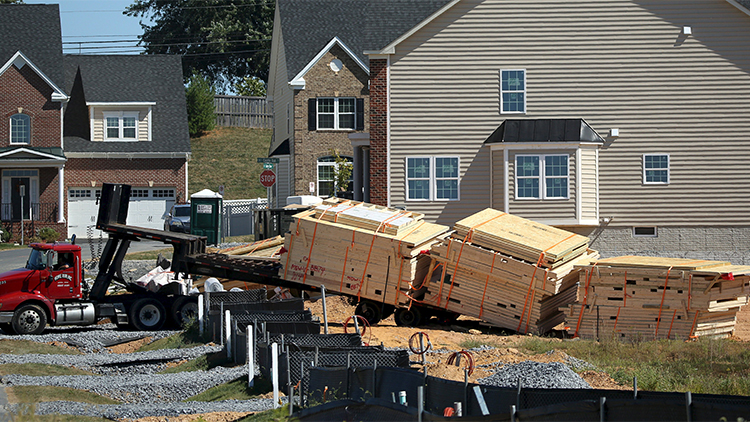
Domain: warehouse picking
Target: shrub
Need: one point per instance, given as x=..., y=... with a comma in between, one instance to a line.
x=48, y=234
x=199, y=95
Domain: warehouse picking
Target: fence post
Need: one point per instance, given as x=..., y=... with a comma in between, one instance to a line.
x=420, y=402
x=518, y=394
x=201, y=316
x=688, y=404
x=228, y=332
x=480, y=400
x=275, y=373
x=635, y=388
x=221, y=325
x=512, y=413
x=325, y=312
x=250, y=356
x=602, y=401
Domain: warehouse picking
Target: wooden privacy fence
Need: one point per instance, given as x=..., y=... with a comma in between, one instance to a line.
x=232, y=110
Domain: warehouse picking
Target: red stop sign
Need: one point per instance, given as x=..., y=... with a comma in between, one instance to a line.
x=267, y=178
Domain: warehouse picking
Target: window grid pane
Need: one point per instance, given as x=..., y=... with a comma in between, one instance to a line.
x=656, y=168
x=527, y=166
x=446, y=167
x=528, y=188
x=513, y=88
x=418, y=168
x=447, y=189
x=20, y=129
x=419, y=189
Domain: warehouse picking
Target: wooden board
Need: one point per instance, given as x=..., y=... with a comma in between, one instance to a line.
x=632, y=261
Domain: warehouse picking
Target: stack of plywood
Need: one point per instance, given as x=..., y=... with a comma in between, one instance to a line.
x=508, y=271
x=638, y=297
x=359, y=249
x=266, y=249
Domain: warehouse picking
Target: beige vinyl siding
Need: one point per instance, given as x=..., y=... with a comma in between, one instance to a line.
x=543, y=209
x=498, y=180
x=617, y=64
x=587, y=188
x=98, y=123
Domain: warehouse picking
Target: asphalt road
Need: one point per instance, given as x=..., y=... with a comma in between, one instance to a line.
x=15, y=258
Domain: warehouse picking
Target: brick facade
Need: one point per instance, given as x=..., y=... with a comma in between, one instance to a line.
x=378, y=131
x=25, y=89
x=322, y=81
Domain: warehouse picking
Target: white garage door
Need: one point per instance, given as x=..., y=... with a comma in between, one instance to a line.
x=148, y=208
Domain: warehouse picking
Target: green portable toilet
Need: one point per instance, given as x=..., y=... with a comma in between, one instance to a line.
x=205, y=215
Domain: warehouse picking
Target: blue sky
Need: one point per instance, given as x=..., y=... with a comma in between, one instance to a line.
x=96, y=20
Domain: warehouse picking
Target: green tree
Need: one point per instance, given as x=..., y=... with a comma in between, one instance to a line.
x=225, y=40
x=342, y=173
x=250, y=86
x=199, y=95
x=11, y=1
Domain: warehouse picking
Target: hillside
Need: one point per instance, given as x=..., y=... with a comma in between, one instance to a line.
x=228, y=156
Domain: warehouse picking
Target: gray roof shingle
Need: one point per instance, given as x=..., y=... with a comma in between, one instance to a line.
x=308, y=25
x=41, y=41
x=133, y=78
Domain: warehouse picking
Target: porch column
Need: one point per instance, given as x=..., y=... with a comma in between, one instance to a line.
x=357, y=173
x=61, y=194
x=366, y=173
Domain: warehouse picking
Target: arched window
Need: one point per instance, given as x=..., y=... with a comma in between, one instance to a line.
x=20, y=129
x=327, y=168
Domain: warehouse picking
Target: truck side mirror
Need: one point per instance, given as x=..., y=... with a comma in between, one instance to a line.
x=50, y=259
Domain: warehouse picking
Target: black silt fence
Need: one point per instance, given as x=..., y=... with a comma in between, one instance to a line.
x=530, y=404
x=215, y=299
x=255, y=317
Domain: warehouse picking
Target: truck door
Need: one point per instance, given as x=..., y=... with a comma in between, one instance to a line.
x=63, y=282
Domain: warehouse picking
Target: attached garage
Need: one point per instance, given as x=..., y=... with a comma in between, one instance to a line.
x=148, y=208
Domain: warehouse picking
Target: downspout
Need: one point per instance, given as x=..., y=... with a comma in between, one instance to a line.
x=388, y=130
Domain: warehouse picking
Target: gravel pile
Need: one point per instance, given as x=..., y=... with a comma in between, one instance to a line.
x=536, y=375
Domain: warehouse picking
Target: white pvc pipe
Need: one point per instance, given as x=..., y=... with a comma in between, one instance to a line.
x=275, y=373
x=250, y=357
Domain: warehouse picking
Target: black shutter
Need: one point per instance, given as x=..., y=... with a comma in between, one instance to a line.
x=312, y=114
x=360, y=114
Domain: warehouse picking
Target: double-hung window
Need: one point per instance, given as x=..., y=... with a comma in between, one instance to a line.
x=542, y=176
x=432, y=178
x=513, y=91
x=20, y=129
x=327, y=168
x=655, y=169
x=336, y=113
x=121, y=126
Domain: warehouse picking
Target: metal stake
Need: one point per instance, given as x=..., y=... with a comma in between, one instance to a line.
x=325, y=312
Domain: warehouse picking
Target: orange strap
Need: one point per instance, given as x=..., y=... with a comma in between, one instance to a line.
x=614, y=329
x=690, y=290
x=336, y=217
x=291, y=243
x=695, y=321
x=398, y=287
x=343, y=271
x=671, y=323
x=260, y=244
x=624, y=291
x=585, y=299
x=312, y=243
x=492, y=267
x=369, y=255
x=442, y=277
x=529, y=293
x=661, y=305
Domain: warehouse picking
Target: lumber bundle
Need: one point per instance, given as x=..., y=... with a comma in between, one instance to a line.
x=521, y=238
x=488, y=271
x=359, y=249
x=266, y=248
x=655, y=298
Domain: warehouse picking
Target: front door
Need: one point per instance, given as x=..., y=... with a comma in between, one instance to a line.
x=18, y=184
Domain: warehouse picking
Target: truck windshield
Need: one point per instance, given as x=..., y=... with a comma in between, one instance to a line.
x=36, y=260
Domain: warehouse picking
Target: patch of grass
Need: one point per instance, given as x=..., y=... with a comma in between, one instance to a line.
x=36, y=394
x=704, y=366
x=274, y=415
x=202, y=363
x=6, y=246
x=471, y=343
x=40, y=369
x=227, y=156
x=234, y=390
x=22, y=347
x=185, y=339
x=27, y=413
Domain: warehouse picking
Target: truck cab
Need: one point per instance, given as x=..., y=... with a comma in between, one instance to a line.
x=28, y=296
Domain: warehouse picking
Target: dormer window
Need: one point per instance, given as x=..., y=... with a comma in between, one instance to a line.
x=121, y=126
x=20, y=129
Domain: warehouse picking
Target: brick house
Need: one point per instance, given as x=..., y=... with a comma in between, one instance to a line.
x=74, y=122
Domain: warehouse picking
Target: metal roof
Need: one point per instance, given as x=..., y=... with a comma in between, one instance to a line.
x=544, y=130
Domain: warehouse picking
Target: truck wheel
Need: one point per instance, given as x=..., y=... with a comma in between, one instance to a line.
x=408, y=317
x=184, y=310
x=147, y=314
x=369, y=311
x=7, y=328
x=29, y=319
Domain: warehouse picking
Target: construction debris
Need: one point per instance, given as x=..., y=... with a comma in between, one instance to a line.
x=648, y=298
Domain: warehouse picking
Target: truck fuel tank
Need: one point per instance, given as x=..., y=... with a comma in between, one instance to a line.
x=82, y=313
